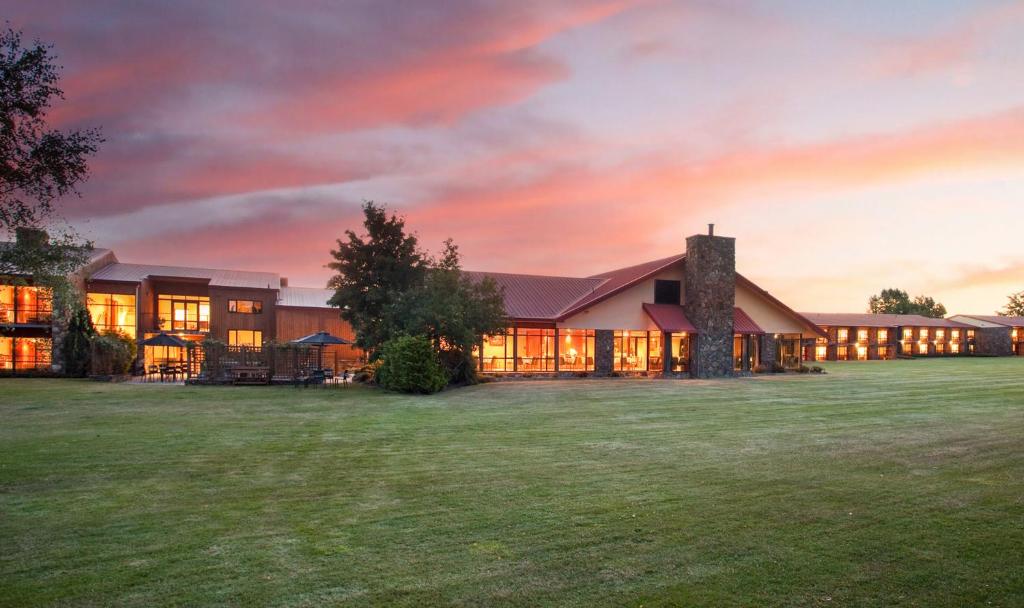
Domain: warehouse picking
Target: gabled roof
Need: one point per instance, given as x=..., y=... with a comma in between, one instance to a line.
x=841, y=319
x=135, y=273
x=669, y=317
x=616, y=281
x=742, y=280
x=304, y=297
x=536, y=296
x=743, y=324
x=998, y=320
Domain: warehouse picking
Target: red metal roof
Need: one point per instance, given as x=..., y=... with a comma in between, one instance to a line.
x=742, y=280
x=743, y=324
x=841, y=319
x=669, y=317
x=615, y=281
x=538, y=297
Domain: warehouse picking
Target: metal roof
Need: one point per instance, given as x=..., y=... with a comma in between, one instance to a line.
x=743, y=324
x=304, y=297
x=840, y=319
x=536, y=296
x=669, y=317
x=136, y=273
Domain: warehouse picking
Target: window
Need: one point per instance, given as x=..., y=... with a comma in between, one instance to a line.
x=183, y=313
x=862, y=353
x=680, y=352
x=667, y=292
x=908, y=335
x=535, y=350
x=630, y=353
x=940, y=335
x=954, y=348
x=922, y=334
x=498, y=354
x=655, y=351
x=245, y=337
x=922, y=348
x=883, y=336
x=954, y=335
x=245, y=307
x=25, y=304
x=576, y=351
x=940, y=347
x=24, y=354
x=842, y=335
x=112, y=311
x=841, y=353
x=862, y=335
x=820, y=351
x=883, y=352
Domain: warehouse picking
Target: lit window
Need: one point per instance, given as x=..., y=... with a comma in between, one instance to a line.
x=245, y=307
x=862, y=353
x=245, y=337
x=908, y=335
x=954, y=347
x=862, y=335
x=843, y=335
x=954, y=334
x=630, y=350
x=883, y=336
x=922, y=334
x=576, y=352
x=498, y=354
x=112, y=312
x=940, y=335
x=883, y=352
x=922, y=348
x=183, y=313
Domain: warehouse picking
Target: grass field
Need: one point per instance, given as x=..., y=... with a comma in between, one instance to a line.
x=880, y=484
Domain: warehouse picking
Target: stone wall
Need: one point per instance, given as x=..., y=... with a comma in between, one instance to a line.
x=710, y=302
x=604, y=345
x=993, y=341
x=769, y=350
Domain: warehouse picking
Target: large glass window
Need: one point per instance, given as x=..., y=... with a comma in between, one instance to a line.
x=498, y=354
x=112, y=311
x=821, y=349
x=24, y=354
x=245, y=337
x=7, y=304
x=630, y=354
x=577, y=350
x=25, y=304
x=655, y=351
x=245, y=307
x=680, y=352
x=535, y=350
x=183, y=313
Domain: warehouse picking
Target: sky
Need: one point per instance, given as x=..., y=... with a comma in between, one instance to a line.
x=848, y=146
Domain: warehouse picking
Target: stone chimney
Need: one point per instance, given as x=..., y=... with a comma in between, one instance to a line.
x=710, y=301
x=32, y=237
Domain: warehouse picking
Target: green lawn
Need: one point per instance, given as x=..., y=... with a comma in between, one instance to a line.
x=879, y=484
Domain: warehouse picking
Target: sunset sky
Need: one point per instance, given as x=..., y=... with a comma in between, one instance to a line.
x=849, y=146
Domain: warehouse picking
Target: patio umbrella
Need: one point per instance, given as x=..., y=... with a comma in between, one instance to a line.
x=165, y=340
x=321, y=339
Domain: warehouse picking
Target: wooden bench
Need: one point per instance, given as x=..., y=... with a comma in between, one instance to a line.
x=250, y=375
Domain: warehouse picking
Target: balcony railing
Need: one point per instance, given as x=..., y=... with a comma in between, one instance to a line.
x=39, y=315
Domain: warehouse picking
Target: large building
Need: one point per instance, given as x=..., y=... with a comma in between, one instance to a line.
x=688, y=314
x=997, y=335
x=866, y=336
x=240, y=308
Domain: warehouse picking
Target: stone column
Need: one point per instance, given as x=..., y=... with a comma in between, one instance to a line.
x=769, y=349
x=993, y=341
x=710, y=301
x=604, y=344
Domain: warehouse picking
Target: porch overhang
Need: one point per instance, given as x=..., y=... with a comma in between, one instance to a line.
x=743, y=324
x=669, y=318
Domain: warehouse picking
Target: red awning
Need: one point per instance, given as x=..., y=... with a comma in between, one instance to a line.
x=743, y=324
x=669, y=317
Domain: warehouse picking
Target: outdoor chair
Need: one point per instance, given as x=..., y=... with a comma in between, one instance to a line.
x=151, y=373
x=328, y=375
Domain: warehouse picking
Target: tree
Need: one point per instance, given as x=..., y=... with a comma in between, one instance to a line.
x=1014, y=305
x=453, y=310
x=37, y=164
x=373, y=271
x=387, y=287
x=77, y=343
x=898, y=302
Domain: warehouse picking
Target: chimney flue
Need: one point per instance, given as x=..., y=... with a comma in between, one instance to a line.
x=711, y=230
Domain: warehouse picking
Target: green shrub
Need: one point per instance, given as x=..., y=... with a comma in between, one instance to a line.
x=818, y=370
x=76, y=343
x=803, y=369
x=409, y=365
x=109, y=355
